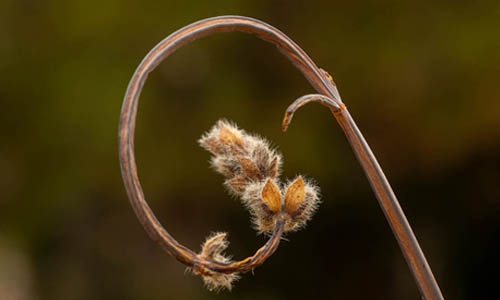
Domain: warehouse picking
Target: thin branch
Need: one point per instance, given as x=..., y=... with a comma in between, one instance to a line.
x=393, y=212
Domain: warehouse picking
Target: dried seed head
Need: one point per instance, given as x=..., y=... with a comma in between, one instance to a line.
x=251, y=168
x=266, y=159
x=212, y=249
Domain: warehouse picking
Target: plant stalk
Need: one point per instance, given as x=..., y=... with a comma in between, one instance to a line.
x=390, y=206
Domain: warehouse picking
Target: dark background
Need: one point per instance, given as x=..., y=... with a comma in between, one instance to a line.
x=420, y=78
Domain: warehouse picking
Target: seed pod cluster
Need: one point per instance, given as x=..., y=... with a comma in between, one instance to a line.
x=251, y=167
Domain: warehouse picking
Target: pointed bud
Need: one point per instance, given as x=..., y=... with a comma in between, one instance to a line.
x=225, y=165
x=261, y=155
x=274, y=167
x=230, y=137
x=211, y=144
x=212, y=249
x=214, y=246
x=271, y=195
x=237, y=184
x=295, y=195
x=249, y=168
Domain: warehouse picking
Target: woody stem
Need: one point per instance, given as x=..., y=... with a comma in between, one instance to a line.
x=393, y=212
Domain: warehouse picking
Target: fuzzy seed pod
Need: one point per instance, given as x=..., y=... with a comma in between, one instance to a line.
x=263, y=200
x=294, y=195
x=236, y=185
x=301, y=202
x=271, y=195
x=249, y=168
x=213, y=249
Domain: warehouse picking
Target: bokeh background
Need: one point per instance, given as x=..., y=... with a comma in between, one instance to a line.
x=421, y=78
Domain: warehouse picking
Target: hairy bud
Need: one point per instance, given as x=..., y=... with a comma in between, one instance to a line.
x=213, y=249
x=301, y=202
x=294, y=195
x=240, y=157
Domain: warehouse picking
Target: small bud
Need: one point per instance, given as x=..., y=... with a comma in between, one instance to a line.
x=249, y=168
x=212, y=249
x=274, y=167
x=230, y=137
x=229, y=134
x=214, y=246
x=294, y=195
x=237, y=184
x=271, y=195
x=225, y=165
x=211, y=143
x=262, y=216
x=300, y=211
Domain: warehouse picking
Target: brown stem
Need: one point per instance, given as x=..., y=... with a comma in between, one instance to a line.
x=390, y=206
x=292, y=108
x=388, y=202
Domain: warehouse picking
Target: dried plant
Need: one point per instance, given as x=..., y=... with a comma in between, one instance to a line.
x=212, y=249
x=251, y=167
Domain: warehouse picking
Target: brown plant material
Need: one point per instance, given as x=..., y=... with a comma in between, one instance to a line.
x=239, y=156
x=271, y=194
x=252, y=173
x=303, y=200
x=236, y=184
x=213, y=249
x=248, y=168
x=249, y=190
x=262, y=216
x=294, y=195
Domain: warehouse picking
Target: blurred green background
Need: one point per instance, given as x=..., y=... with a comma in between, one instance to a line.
x=420, y=78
